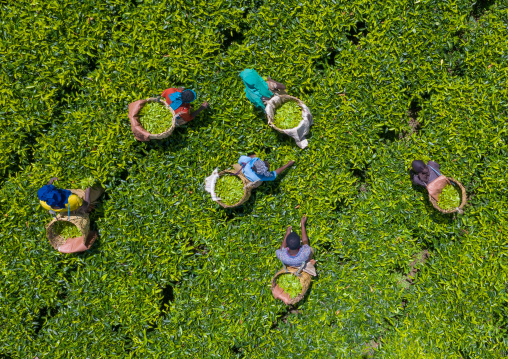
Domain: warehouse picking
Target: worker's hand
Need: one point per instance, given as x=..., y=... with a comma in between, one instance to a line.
x=289, y=229
x=290, y=163
x=304, y=220
x=205, y=105
x=53, y=179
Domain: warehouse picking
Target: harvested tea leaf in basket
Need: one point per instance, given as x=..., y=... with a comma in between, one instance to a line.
x=229, y=189
x=449, y=197
x=290, y=284
x=155, y=117
x=66, y=229
x=288, y=115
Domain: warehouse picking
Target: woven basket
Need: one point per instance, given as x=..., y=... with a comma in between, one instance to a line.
x=82, y=221
x=169, y=131
x=299, y=132
x=248, y=185
x=278, y=293
x=463, y=196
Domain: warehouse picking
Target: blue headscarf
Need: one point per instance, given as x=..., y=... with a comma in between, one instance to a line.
x=176, y=99
x=259, y=167
x=54, y=197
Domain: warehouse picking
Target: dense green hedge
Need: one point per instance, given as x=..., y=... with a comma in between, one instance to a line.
x=172, y=274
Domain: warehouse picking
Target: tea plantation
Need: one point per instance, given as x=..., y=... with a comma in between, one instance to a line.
x=173, y=275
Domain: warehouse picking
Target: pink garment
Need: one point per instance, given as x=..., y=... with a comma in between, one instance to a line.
x=78, y=244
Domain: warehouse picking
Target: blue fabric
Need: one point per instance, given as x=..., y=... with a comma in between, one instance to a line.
x=176, y=100
x=294, y=261
x=255, y=87
x=249, y=173
x=54, y=197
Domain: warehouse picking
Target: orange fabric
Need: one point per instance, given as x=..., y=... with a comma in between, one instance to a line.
x=184, y=110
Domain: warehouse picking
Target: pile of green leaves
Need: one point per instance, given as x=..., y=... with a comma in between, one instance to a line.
x=288, y=115
x=155, y=117
x=290, y=284
x=66, y=229
x=449, y=197
x=173, y=274
x=229, y=189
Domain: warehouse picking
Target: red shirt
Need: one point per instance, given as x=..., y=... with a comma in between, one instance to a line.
x=184, y=110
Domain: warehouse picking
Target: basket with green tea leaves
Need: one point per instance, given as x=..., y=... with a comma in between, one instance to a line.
x=66, y=229
x=229, y=188
x=155, y=117
x=290, y=284
x=449, y=197
x=288, y=115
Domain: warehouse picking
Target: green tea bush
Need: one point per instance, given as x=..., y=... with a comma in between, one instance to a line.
x=174, y=275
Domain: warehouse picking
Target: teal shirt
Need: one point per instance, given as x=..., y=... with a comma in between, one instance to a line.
x=255, y=87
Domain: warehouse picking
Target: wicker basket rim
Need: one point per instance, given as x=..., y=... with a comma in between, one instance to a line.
x=463, y=199
x=291, y=270
x=168, y=107
x=56, y=240
x=245, y=191
x=291, y=98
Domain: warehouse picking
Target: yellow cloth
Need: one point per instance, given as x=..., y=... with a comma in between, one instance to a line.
x=74, y=202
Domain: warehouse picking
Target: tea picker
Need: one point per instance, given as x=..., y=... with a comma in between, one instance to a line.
x=157, y=118
x=286, y=114
x=233, y=187
x=257, y=90
x=257, y=170
x=180, y=99
x=69, y=231
x=65, y=201
x=296, y=261
x=443, y=191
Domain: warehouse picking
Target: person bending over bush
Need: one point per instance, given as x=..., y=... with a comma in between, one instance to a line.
x=291, y=252
x=180, y=101
x=58, y=200
x=257, y=170
x=257, y=89
x=423, y=174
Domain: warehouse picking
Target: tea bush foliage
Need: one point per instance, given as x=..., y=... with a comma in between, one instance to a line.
x=174, y=275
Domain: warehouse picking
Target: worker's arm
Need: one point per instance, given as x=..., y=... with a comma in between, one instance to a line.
x=283, y=245
x=283, y=168
x=52, y=180
x=305, y=239
x=203, y=106
x=278, y=85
